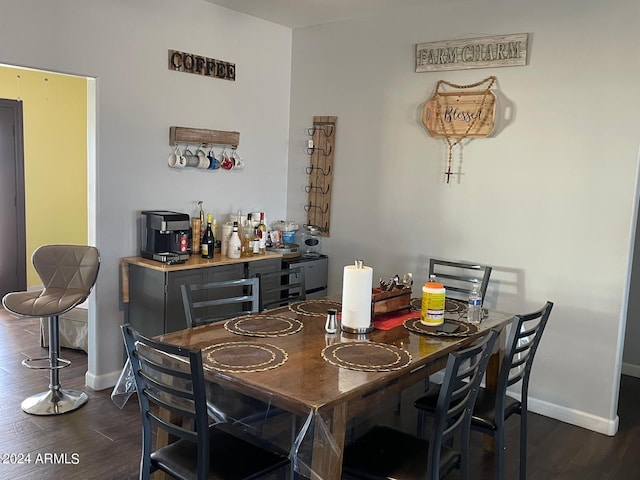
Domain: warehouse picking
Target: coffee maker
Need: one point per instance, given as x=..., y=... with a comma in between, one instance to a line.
x=165, y=236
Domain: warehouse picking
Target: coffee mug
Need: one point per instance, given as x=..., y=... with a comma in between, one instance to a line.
x=174, y=158
x=203, y=160
x=227, y=161
x=191, y=159
x=238, y=163
x=214, y=163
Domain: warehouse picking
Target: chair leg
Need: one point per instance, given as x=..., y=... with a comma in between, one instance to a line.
x=55, y=400
x=523, y=442
x=499, y=446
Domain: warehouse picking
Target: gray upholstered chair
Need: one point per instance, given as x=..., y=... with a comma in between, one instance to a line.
x=68, y=273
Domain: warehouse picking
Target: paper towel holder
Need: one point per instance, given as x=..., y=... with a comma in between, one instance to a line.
x=358, y=330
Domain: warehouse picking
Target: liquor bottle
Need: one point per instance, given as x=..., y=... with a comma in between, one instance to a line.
x=203, y=225
x=262, y=235
x=255, y=242
x=474, y=309
x=247, y=234
x=208, y=242
x=234, y=243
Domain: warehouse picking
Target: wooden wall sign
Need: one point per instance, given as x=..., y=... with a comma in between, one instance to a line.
x=209, y=67
x=461, y=111
x=483, y=52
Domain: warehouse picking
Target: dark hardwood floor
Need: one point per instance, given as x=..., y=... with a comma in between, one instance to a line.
x=100, y=441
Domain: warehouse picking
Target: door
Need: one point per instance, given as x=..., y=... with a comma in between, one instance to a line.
x=13, y=268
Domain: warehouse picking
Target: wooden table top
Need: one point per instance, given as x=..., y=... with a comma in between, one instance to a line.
x=307, y=382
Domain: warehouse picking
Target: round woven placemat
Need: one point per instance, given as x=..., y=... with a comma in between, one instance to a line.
x=464, y=328
x=366, y=356
x=243, y=357
x=315, y=308
x=263, y=325
x=450, y=305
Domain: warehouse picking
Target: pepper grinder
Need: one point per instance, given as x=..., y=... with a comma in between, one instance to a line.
x=331, y=325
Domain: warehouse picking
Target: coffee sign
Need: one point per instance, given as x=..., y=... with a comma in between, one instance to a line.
x=484, y=52
x=209, y=67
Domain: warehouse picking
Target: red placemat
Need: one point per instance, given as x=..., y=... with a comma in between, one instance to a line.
x=393, y=319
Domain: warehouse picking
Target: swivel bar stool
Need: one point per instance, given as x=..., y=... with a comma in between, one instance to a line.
x=68, y=273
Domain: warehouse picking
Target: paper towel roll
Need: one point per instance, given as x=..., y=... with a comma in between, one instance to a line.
x=357, y=281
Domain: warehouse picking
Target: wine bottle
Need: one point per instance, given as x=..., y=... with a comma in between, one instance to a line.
x=208, y=242
x=255, y=241
x=262, y=235
x=234, y=243
x=247, y=238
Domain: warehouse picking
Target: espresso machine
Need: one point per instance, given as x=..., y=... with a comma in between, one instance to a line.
x=165, y=236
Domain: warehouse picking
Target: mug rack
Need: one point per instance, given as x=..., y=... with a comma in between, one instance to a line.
x=203, y=137
x=320, y=148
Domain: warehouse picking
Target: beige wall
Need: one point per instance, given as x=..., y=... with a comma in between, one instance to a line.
x=55, y=156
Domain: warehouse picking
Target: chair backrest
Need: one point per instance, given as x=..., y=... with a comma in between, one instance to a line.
x=458, y=393
x=459, y=277
x=67, y=266
x=170, y=378
x=281, y=287
x=522, y=344
x=215, y=301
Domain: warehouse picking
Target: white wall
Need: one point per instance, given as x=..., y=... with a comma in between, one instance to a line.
x=124, y=45
x=549, y=200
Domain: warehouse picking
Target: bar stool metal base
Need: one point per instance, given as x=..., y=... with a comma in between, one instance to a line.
x=54, y=402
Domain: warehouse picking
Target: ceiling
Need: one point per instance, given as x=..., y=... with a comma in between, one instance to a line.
x=302, y=13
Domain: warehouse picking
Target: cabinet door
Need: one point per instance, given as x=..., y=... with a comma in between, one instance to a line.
x=146, y=300
x=174, y=309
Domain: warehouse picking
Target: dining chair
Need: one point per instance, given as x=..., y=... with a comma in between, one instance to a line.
x=459, y=277
x=281, y=287
x=215, y=301
x=493, y=408
x=170, y=378
x=68, y=274
x=386, y=453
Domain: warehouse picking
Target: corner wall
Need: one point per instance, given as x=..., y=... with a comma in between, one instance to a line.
x=548, y=200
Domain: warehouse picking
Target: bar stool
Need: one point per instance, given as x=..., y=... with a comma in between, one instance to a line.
x=68, y=273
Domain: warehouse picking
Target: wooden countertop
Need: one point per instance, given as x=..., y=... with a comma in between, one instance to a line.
x=195, y=261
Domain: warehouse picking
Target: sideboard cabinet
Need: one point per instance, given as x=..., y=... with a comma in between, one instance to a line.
x=152, y=289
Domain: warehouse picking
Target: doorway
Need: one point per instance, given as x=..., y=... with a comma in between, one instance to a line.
x=13, y=275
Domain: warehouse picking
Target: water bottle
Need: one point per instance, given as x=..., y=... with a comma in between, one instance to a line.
x=474, y=309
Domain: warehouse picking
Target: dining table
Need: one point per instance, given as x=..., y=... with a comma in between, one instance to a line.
x=285, y=359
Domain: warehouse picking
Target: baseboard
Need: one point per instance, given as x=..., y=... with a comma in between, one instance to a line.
x=101, y=382
x=575, y=417
x=567, y=415
x=631, y=370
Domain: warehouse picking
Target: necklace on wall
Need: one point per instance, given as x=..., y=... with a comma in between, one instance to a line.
x=460, y=115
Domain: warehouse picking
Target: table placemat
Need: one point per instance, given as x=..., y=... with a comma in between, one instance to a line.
x=451, y=305
x=366, y=356
x=315, y=308
x=464, y=328
x=243, y=357
x=263, y=325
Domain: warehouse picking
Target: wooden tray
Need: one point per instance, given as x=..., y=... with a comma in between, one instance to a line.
x=389, y=301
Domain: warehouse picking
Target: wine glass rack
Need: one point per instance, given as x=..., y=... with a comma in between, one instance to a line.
x=320, y=148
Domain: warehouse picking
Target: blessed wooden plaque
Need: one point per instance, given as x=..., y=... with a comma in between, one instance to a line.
x=464, y=114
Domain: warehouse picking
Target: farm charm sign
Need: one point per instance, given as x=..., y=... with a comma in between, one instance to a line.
x=209, y=67
x=484, y=52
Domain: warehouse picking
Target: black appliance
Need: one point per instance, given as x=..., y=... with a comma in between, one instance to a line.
x=315, y=273
x=165, y=236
